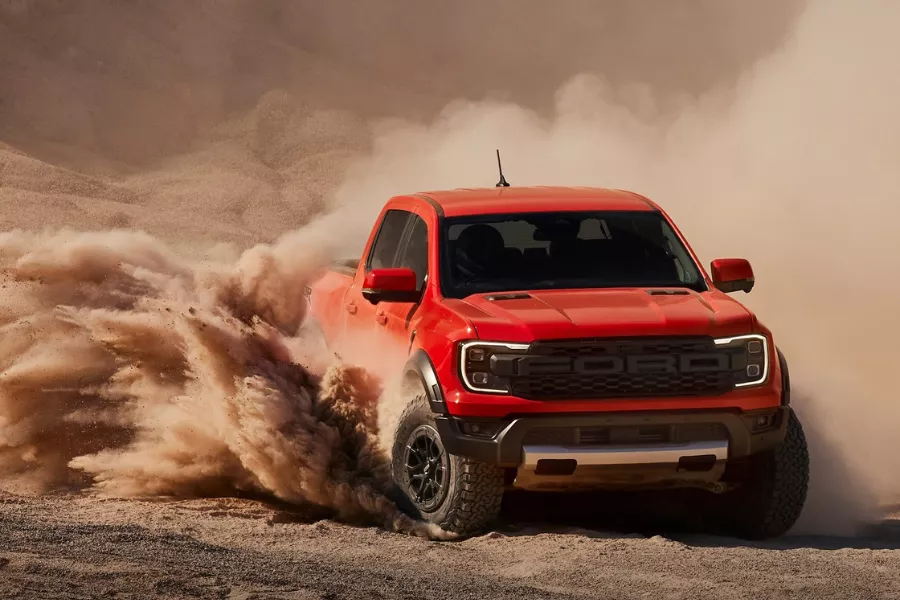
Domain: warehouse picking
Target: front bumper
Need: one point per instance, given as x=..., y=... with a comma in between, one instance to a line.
x=596, y=456
x=594, y=436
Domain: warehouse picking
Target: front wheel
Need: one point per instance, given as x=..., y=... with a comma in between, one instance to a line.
x=458, y=494
x=771, y=499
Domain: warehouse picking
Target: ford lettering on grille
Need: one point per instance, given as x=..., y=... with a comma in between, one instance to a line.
x=624, y=368
x=609, y=365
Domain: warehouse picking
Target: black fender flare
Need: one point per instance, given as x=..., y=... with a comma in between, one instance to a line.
x=420, y=367
x=785, y=378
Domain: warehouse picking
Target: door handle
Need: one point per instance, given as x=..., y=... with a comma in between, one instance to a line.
x=351, y=308
x=381, y=318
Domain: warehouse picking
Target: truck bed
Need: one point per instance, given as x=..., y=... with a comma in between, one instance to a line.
x=345, y=266
x=326, y=294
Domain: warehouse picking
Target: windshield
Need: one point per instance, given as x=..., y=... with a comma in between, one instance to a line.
x=563, y=250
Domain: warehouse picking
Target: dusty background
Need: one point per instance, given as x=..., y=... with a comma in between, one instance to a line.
x=768, y=129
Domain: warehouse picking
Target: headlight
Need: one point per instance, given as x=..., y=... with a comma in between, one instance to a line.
x=475, y=365
x=750, y=358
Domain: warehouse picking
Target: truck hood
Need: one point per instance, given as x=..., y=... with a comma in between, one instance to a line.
x=527, y=316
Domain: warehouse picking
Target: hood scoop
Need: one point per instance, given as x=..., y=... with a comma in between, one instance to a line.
x=517, y=296
x=526, y=296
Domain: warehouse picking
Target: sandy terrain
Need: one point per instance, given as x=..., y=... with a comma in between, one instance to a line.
x=226, y=548
x=138, y=372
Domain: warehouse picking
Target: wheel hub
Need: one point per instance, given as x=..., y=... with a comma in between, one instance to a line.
x=426, y=468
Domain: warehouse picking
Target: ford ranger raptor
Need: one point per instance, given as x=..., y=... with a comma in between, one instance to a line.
x=567, y=339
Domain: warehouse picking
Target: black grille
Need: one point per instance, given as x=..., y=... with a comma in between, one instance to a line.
x=570, y=385
x=620, y=386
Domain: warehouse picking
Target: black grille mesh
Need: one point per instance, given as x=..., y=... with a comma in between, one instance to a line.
x=623, y=385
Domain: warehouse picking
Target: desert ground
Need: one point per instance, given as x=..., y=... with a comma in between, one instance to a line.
x=64, y=547
x=172, y=174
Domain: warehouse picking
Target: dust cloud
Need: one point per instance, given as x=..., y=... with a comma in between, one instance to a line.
x=151, y=375
x=260, y=141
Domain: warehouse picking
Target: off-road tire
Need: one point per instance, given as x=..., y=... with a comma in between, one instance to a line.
x=771, y=499
x=475, y=489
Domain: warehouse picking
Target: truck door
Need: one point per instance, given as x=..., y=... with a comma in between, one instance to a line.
x=364, y=332
x=396, y=317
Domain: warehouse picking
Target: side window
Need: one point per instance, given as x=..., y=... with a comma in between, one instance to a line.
x=387, y=240
x=415, y=255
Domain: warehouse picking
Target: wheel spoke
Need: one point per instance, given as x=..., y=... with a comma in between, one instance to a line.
x=425, y=468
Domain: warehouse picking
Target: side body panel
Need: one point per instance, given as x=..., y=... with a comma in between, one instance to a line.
x=337, y=304
x=326, y=303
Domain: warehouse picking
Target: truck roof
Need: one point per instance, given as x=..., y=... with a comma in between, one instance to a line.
x=482, y=201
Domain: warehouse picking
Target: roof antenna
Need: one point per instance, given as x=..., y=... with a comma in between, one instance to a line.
x=502, y=182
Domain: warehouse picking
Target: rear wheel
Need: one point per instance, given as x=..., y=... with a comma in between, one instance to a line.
x=458, y=494
x=772, y=497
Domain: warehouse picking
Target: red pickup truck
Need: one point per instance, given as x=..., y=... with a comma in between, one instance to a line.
x=567, y=338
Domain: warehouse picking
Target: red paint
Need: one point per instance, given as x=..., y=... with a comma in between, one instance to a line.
x=440, y=323
x=727, y=270
x=399, y=279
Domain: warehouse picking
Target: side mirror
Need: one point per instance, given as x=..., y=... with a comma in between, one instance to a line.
x=732, y=275
x=390, y=285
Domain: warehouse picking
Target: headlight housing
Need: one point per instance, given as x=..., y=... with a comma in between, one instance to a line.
x=475, y=365
x=750, y=358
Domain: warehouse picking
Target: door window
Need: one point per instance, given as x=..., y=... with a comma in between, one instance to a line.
x=387, y=241
x=415, y=255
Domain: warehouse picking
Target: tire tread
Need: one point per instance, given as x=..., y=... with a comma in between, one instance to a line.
x=480, y=495
x=774, y=502
x=479, y=486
